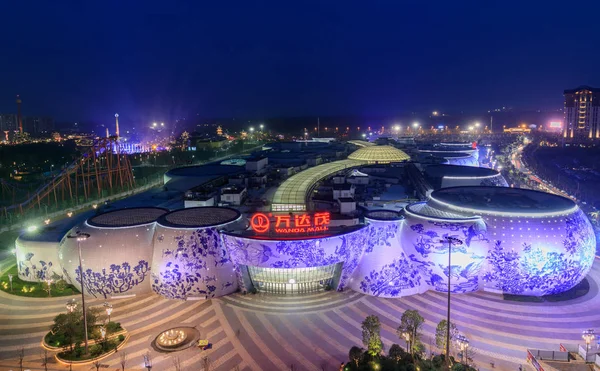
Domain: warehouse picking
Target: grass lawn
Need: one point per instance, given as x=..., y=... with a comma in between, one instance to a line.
x=32, y=289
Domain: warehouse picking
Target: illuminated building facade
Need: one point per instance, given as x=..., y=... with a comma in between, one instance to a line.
x=581, y=116
x=509, y=241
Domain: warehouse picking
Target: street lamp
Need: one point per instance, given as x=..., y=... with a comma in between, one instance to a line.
x=103, y=332
x=261, y=126
x=10, y=277
x=406, y=336
x=588, y=336
x=80, y=237
x=147, y=361
x=49, y=283
x=463, y=344
x=109, y=308
x=71, y=305
x=451, y=241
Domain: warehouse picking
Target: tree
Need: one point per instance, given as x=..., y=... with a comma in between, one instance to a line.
x=371, y=328
x=396, y=352
x=123, y=359
x=355, y=354
x=409, y=329
x=441, y=333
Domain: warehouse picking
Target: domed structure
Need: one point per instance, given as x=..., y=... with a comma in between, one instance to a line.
x=379, y=155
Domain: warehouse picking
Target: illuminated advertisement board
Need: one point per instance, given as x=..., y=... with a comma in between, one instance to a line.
x=289, y=223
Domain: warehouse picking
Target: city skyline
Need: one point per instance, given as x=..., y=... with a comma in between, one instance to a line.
x=265, y=60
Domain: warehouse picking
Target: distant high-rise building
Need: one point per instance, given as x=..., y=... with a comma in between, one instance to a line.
x=38, y=125
x=8, y=122
x=582, y=118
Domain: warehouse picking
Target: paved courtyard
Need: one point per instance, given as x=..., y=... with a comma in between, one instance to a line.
x=265, y=332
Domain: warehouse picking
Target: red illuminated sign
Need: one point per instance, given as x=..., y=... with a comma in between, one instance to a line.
x=290, y=224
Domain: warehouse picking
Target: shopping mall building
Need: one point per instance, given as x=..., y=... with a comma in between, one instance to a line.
x=490, y=238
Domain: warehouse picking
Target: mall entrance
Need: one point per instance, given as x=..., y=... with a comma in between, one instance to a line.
x=294, y=280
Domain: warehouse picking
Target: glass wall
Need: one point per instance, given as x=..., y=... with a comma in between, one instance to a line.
x=293, y=280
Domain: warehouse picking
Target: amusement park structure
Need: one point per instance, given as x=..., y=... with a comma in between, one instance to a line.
x=100, y=171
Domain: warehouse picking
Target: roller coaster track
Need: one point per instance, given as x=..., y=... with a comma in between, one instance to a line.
x=101, y=168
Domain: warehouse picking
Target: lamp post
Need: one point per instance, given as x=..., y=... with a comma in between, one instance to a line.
x=80, y=237
x=588, y=336
x=49, y=284
x=71, y=305
x=406, y=336
x=147, y=362
x=10, y=277
x=451, y=241
x=463, y=344
x=109, y=308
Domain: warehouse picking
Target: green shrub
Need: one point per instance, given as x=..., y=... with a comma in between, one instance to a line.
x=96, y=350
x=121, y=338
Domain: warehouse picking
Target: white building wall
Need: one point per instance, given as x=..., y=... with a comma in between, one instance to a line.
x=116, y=261
x=190, y=263
x=36, y=260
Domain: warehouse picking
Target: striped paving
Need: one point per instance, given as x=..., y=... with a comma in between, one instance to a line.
x=311, y=333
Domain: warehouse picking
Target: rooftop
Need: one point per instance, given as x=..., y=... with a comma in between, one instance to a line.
x=204, y=170
x=383, y=215
x=292, y=193
x=379, y=154
x=498, y=200
x=438, y=171
x=127, y=217
x=198, y=217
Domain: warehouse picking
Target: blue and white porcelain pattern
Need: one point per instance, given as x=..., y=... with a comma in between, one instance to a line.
x=192, y=263
x=347, y=248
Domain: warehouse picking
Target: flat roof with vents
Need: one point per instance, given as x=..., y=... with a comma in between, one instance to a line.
x=383, y=215
x=500, y=201
x=127, y=217
x=199, y=217
x=438, y=171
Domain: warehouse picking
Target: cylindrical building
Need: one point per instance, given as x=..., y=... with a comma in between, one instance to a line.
x=518, y=241
x=297, y=264
x=385, y=269
x=116, y=257
x=37, y=255
x=190, y=260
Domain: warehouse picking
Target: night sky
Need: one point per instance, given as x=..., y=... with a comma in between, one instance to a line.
x=159, y=60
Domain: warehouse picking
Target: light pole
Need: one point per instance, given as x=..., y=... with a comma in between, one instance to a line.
x=71, y=305
x=451, y=241
x=80, y=237
x=406, y=336
x=588, y=336
x=463, y=344
x=10, y=277
x=49, y=284
x=147, y=361
x=109, y=308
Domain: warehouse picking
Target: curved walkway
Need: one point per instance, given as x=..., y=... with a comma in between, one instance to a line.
x=261, y=332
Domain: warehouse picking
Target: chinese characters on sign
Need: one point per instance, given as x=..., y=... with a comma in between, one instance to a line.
x=290, y=224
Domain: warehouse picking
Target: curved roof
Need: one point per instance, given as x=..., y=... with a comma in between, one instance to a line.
x=127, y=217
x=291, y=194
x=459, y=171
x=500, y=201
x=379, y=154
x=199, y=217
